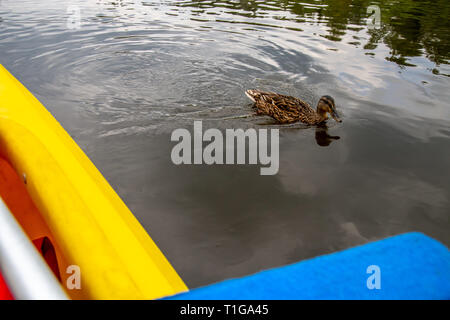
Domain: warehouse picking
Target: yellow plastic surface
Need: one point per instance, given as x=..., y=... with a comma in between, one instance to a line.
x=90, y=223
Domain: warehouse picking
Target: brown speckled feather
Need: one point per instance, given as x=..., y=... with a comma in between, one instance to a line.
x=284, y=109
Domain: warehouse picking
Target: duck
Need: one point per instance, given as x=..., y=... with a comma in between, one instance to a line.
x=287, y=109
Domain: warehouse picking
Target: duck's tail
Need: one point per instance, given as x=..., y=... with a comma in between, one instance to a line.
x=253, y=94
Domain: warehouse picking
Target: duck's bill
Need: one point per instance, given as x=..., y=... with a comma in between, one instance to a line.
x=335, y=116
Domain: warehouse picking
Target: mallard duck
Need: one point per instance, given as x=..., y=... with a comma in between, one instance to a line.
x=287, y=109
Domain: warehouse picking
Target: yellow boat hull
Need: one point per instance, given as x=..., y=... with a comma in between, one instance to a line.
x=91, y=227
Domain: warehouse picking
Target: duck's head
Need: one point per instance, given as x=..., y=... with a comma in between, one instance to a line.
x=326, y=105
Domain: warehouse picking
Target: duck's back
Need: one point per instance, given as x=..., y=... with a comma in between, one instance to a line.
x=284, y=109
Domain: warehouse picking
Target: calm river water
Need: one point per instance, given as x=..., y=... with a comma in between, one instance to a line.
x=120, y=76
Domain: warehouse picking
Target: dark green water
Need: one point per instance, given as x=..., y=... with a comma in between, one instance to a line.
x=133, y=72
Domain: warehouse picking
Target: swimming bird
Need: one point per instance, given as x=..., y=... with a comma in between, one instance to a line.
x=287, y=109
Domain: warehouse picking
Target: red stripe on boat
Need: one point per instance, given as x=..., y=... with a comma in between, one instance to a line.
x=4, y=291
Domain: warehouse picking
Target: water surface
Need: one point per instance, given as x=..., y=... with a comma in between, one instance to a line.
x=135, y=71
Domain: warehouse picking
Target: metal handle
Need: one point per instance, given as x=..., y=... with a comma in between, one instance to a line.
x=23, y=268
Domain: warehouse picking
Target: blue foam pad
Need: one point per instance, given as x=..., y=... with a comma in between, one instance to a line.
x=412, y=266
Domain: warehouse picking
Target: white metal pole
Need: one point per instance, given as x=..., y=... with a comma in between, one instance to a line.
x=26, y=273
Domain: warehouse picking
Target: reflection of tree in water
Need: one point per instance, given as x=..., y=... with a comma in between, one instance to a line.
x=415, y=27
x=409, y=28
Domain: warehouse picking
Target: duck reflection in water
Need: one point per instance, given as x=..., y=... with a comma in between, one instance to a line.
x=323, y=139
